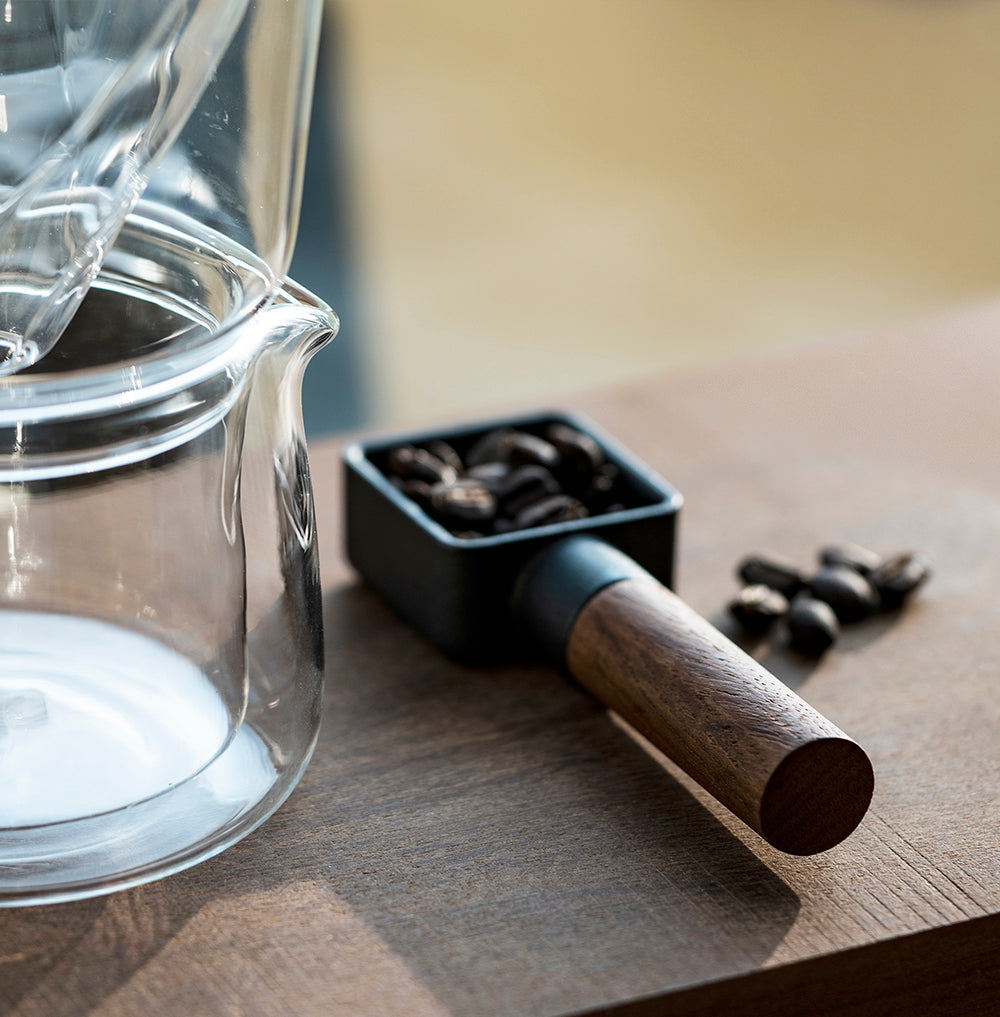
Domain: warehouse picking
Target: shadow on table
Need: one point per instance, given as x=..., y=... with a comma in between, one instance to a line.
x=464, y=816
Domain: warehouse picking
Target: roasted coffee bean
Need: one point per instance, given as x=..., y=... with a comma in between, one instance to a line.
x=851, y=596
x=784, y=578
x=580, y=456
x=446, y=454
x=897, y=577
x=491, y=474
x=758, y=607
x=524, y=486
x=570, y=466
x=416, y=490
x=525, y=449
x=409, y=462
x=491, y=447
x=558, y=508
x=812, y=626
x=603, y=490
x=463, y=502
x=854, y=556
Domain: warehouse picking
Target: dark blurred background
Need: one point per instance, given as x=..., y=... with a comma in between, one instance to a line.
x=510, y=201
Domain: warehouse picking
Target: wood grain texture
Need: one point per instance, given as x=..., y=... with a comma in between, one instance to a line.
x=494, y=843
x=745, y=737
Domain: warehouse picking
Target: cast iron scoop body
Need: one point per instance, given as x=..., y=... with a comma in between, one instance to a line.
x=594, y=595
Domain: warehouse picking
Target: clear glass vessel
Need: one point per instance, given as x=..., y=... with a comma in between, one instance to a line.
x=197, y=105
x=161, y=648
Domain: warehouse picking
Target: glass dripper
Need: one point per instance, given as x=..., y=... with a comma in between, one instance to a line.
x=198, y=104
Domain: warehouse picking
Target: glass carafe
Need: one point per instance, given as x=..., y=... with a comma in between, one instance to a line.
x=160, y=609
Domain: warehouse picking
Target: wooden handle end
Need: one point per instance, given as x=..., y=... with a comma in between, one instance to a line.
x=817, y=796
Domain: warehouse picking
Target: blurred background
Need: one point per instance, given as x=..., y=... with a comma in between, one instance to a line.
x=508, y=202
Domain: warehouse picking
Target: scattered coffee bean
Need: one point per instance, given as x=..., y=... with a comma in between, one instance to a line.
x=854, y=556
x=897, y=577
x=524, y=486
x=412, y=463
x=758, y=607
x=558, y=508
x=850, y=595
x=812, y=625
x=851, y=584
x=463, y=502
x=780, y=576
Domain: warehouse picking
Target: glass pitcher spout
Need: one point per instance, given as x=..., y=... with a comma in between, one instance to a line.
x=296, y=322
x=290, y=331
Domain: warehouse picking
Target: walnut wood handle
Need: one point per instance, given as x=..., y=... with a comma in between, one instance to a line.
x=747, y=738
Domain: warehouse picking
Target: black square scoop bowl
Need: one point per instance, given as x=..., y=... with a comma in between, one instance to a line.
x=591, y=589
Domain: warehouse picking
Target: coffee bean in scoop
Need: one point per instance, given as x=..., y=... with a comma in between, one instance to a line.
x=463, y=502
x=412, y=463
x=558, y=508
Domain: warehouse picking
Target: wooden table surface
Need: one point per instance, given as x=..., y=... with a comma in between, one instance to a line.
x=492, y=842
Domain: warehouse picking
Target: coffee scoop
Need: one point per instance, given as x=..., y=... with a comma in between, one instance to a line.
x=593, y=593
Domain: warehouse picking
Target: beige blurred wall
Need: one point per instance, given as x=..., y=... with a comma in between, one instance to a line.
x=553, y=195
